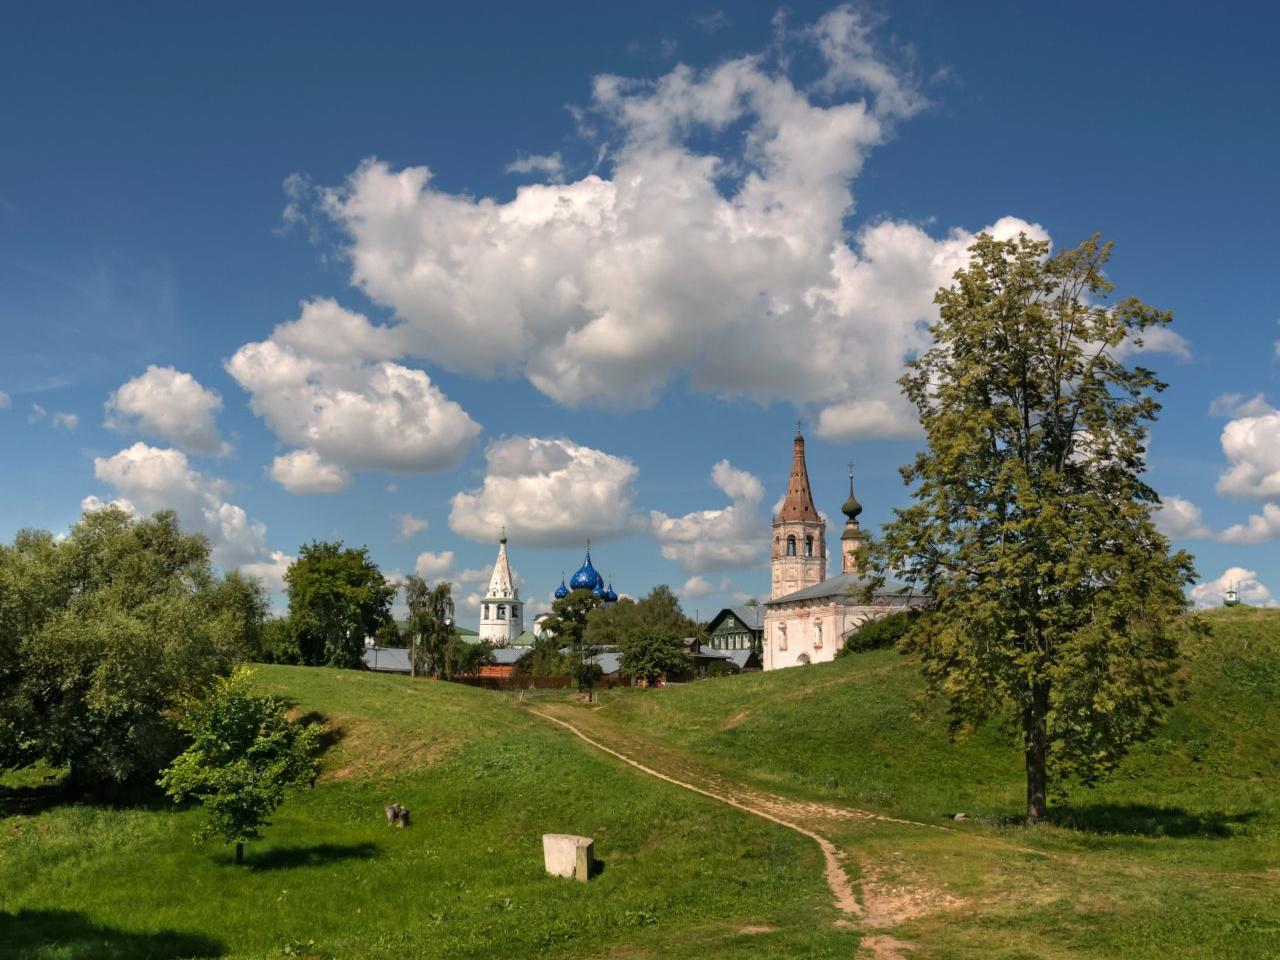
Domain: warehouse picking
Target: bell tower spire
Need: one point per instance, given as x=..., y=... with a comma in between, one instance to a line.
x=799, y=550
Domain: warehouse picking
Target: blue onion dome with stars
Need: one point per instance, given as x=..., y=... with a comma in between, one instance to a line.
x=586, y=577
x=609, y=594
x=562, y=591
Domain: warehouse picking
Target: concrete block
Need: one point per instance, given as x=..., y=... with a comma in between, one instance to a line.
x=565, y=855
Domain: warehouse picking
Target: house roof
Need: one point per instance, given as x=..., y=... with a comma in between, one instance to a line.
x=753, y=617
x=849, y=586
x=387, y=659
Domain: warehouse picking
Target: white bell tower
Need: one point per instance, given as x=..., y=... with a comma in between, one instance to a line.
x=501, y=612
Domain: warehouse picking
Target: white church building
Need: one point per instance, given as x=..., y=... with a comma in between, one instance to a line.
x=501, y=610
x=809, y=615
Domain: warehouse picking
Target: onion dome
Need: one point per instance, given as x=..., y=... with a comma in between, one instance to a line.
x=598, y=592
x=586, y=577
x=609, y=593
x=562, y=591
x=851, y=507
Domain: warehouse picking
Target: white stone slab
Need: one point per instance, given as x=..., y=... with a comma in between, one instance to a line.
x=566, y=855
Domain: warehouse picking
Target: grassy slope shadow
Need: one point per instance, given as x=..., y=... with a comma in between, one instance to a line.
x=67, y=935
x=1147, y=820
x=316, y=855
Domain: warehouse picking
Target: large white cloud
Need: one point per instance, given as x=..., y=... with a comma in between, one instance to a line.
x=1180, y=519
x=547, y=492
x=326, y=383
x=1252, y=446
x=167, y=403
x=305, y=471
x=729, y=538
x=156, y=478
x=713, y=247
x=1251, y=590
x=1259, y=528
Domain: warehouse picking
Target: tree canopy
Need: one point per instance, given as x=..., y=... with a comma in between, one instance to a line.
x=1053, y=593
x=244, y=754
x=103, y=633
x=337, y=597
x=430, y=624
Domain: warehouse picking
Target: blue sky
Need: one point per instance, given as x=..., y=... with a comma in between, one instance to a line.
x=576, y=360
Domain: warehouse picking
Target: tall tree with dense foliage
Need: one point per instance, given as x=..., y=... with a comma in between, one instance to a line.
x=337, y=597
x=245, y=753
x=103, y=632
x=1053, y=593
x=430, y=624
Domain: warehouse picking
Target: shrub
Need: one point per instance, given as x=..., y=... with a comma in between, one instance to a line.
x=878, y=634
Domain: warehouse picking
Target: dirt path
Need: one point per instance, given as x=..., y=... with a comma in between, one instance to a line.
x=837, y=879
x=889, y=896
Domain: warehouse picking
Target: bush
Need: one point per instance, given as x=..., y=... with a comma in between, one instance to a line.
x=878, y=634
x=722, y=668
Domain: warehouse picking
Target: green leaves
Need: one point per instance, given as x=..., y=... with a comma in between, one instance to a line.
x=103, y=633
x=337, y=597
x=245, y=753
x=1053, y=592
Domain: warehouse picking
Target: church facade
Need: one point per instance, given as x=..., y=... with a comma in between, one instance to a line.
x=809, y=615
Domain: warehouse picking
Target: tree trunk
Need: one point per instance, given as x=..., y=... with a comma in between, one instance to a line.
x=239, y=852
x=1035, y=740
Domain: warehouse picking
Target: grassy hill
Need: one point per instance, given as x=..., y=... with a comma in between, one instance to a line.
x=1176, y=857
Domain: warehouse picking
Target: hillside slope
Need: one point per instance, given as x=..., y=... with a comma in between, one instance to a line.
x=484, y=780
x=1176, y=856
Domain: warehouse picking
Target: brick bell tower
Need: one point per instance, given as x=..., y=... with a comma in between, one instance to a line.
x=799, y=553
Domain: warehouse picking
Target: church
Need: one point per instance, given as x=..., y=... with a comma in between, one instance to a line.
x=809, y=615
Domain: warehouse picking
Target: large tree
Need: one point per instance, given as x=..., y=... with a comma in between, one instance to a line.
x=1054, y=596
x=103, y=632
x=337, y=597
x=430, y=624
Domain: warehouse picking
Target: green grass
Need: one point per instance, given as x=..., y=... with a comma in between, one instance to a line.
x=1174, y=858
x=1177, y=855
x=484, y=781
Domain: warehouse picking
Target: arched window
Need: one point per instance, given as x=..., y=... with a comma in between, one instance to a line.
x=782, y=636
x=808, y=546
x=486, y=611
x=502, y=611
x=791, y=546
x=817, y=637
x=803, y=659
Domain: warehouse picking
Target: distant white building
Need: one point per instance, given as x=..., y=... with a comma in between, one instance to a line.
x=501, y=610
x=809, y=616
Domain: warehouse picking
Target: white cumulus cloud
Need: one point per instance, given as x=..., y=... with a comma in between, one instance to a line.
x=66, y=421
x=305, y=471
x=696, y=586
x=431, y=566
x=408, y=525
x=170, y=404
x=157, y=478
x=710, y=246
x=5, y=401
x=728, y=538
x=326, y=383
x=1251, y=590
x=547, y=492
x=1252, y=448
x=1237, y=405
x=1180, y=519
x=1259, y=528
x=548, y=165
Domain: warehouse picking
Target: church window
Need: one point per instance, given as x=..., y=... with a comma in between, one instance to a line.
x=782, y=636
x=791, y=546
x=486, y=611
x=502, y=611
x=808, y=546
x=817, y=639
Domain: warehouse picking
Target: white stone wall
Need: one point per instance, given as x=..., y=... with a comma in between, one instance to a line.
x=811, y=631
x=500, y=631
